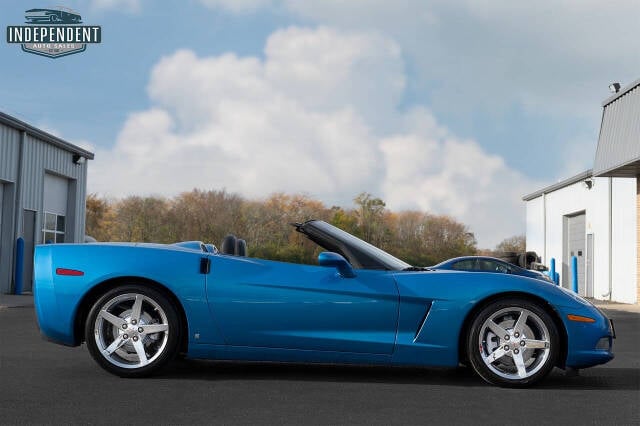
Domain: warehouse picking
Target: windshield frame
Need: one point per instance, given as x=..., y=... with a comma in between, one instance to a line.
x=361, y=254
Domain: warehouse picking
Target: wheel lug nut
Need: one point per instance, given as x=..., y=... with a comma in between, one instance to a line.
x=124, y=326
x=522, y=343
x=125, y=336
x=506, y=347
x=140, y=329
x=135, y=338
x=516, y=335
x=134, y=322
x=506, y=337
x=515, y=351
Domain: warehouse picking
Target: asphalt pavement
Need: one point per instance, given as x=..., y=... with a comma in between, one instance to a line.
x=43, y=383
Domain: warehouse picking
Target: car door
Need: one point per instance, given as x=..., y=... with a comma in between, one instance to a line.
x=259, y=303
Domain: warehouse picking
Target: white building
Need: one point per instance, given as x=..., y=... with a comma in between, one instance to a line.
x=595, y=215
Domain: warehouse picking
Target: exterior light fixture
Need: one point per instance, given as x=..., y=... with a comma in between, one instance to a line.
x=614, y=87
x=588, y=183
x=78, y=159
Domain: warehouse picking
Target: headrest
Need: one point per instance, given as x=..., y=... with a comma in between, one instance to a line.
x=241, y=248
x=229, y=245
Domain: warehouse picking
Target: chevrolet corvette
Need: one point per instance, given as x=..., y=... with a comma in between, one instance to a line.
x=137, y=306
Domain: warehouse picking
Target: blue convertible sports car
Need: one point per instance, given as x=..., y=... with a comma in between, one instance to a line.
x=138, y=305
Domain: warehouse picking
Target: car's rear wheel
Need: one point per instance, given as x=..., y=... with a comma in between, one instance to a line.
x=513, y=342
x=133, y=331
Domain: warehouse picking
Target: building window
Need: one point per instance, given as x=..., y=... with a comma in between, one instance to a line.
x=53, y=230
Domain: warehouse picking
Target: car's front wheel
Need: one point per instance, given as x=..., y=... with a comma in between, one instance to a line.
x=513, y=342
x=133, y=331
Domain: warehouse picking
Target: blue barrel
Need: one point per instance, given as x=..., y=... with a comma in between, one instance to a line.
x=574, y=274
x=552, y=271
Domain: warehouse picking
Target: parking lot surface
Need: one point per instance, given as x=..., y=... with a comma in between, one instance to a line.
x=43, y=383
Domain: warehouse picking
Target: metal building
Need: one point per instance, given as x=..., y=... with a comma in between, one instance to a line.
x=595, y=215
x=43, y=182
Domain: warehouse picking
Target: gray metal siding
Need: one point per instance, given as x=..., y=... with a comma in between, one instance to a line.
x=9, y=147
x=619, y=141
x=14, y=123
x=26, y=155
x=40, y=157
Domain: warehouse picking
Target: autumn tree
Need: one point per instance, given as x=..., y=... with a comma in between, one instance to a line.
x=370, y=214
x=419, y=238
x=269, y=231
x=99, y=218
x=517, y=244
x=205, y=215
x=424, y=239
x=141, y=219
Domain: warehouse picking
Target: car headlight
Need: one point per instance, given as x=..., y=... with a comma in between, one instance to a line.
x=575, y=296
x=604, y=343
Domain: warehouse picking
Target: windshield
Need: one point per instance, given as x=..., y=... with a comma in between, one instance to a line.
x=371, y=251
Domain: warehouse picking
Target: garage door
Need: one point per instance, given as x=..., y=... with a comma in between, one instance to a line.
x=56, y=190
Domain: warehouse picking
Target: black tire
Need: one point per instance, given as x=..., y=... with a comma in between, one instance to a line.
x=117, y=340
x=527, y=351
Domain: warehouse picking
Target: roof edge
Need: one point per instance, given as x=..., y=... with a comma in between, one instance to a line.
x=621, y=93
x=48, y=137
x=559, y=185
x=608, y=171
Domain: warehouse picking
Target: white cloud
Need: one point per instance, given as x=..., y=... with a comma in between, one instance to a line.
x=237, y=6
x=437, y=172
x=332, y=70
x=549, y=57
x=129, y=6
x=319, y=114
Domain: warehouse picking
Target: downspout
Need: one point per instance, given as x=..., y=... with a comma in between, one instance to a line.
x=610, y=183
x=610, y=236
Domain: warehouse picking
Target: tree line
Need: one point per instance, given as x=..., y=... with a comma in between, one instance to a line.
x=418, y=238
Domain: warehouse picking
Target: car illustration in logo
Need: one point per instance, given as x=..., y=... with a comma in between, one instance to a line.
x=53, y=32
x=60, y=15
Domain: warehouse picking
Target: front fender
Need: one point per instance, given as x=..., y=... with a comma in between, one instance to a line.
x=434, y=306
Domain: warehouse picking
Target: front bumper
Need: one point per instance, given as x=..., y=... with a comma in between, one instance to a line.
x=588, y=344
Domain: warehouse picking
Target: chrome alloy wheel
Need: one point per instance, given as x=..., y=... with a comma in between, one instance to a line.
x=514, y=343
x=131, y=330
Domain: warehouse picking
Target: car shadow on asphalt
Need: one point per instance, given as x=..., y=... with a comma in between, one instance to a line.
x=590, y=379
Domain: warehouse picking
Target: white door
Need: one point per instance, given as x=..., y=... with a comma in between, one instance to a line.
x=576, y=247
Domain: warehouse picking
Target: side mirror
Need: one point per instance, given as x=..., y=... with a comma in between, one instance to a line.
x=328, y=258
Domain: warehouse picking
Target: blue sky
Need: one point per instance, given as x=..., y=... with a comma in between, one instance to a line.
x=452, y=107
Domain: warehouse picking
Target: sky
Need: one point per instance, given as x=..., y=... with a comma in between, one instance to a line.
x=451, y=107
